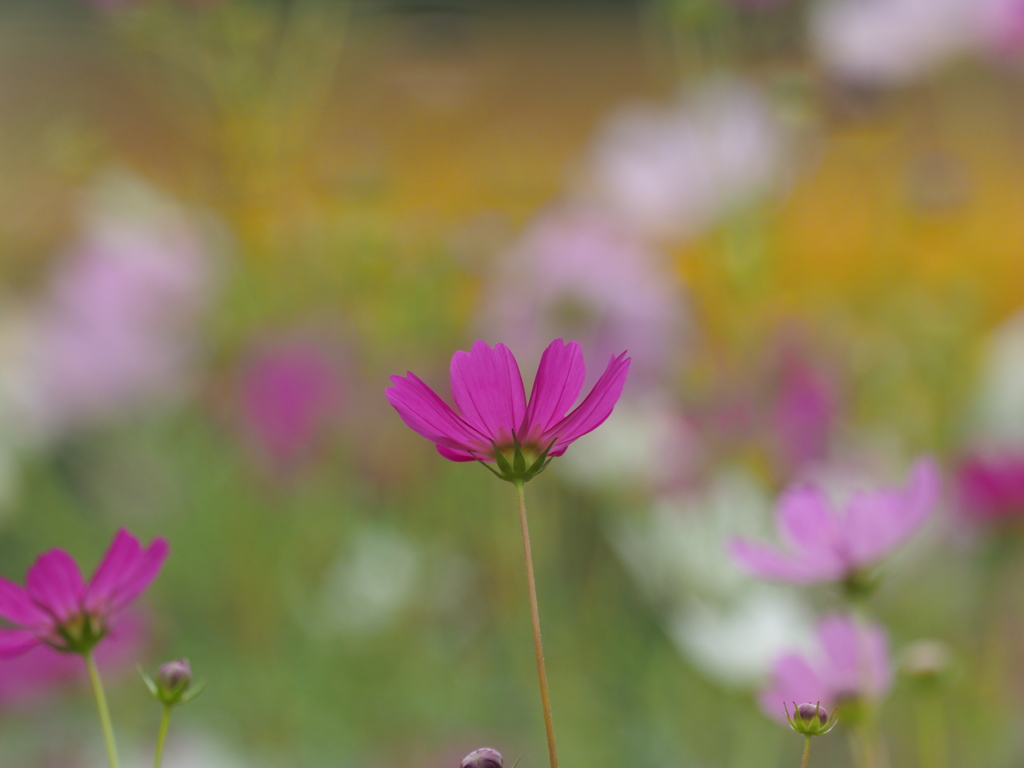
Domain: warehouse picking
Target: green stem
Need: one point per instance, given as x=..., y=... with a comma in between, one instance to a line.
x=931, y=735
x=538, y=647
x=101, y=705
x=807, y=751
x=165, y=720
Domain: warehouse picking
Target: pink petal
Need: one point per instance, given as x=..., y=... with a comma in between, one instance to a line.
x=55, y=584
x=17, y=607
x=488, y=390
x=595, y=408
x=805, y=521
x=765, y=562
x=556, y=388
x=453, y=455
x=428, y=415
x=879, y=521
x=121, y=556
x=14, y=642
x=793, y=680
x=125, y=572
x=856, y=657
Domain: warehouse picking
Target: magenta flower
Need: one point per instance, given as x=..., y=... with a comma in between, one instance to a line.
x=288, y=392
x=57, y=609
x=496, y=422
x=851, y=662
x=823, y=545
x=42, y=671
x=991, y=489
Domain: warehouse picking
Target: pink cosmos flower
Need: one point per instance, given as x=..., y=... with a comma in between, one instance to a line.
x=991, y=490
x=57, y=609
x=804, y=412
x=42, y=670
x=288, y=391
x=851, y=662
x=496, y=422
x=823, y=545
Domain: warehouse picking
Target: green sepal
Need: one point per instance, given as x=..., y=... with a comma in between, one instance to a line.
x=182, y=693
x=542, y=461
x=518, y=460
x=503, y=466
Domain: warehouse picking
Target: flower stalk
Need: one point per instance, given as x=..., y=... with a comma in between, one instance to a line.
x=161, y=736
x=538, y=645
x=101, y=705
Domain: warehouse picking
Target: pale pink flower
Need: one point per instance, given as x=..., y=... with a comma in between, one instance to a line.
x=850, y=662
x=821, y=543
x=1002, y=26
x=897, y=41
x=56, y=608
x=288, y=392
x=576, y=272
x=118, y=327
x=673, y=170
x=497, y=424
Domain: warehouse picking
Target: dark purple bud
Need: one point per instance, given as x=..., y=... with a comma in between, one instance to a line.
x=174, y=675
x=807, y=713
x=484, y=757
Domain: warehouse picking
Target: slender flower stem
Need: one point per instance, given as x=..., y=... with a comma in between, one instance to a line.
x=538, y=646
x=165, y=720
x=931, y=735
x=101, y=705
x=807, y=751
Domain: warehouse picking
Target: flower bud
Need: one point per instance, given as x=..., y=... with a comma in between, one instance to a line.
x=484, y=757
x=173, y=684
x=810, y=719
x=808, y=712
x=174, y=675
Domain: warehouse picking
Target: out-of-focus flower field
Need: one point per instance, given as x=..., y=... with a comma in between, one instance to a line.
x=224, y=224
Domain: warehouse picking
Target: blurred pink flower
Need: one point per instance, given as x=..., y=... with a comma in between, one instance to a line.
x=991, y=489
x=118, y=327
x=823, y=545
x=496, y=421
x=57, y=609
x=576, y=273
x=803, y=414
x=42, y=669
x=288, y=392
x=1002, y=26
x=850, y=662
x=672, y=171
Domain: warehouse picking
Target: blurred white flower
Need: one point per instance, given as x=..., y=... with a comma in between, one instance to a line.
x=729, y=625
x=998, y=409
x=671, y=171
x=737, y=642
x=645, y=441
x=378, y=578
x=370, y=585
x=19, y=393
x=187, y=748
